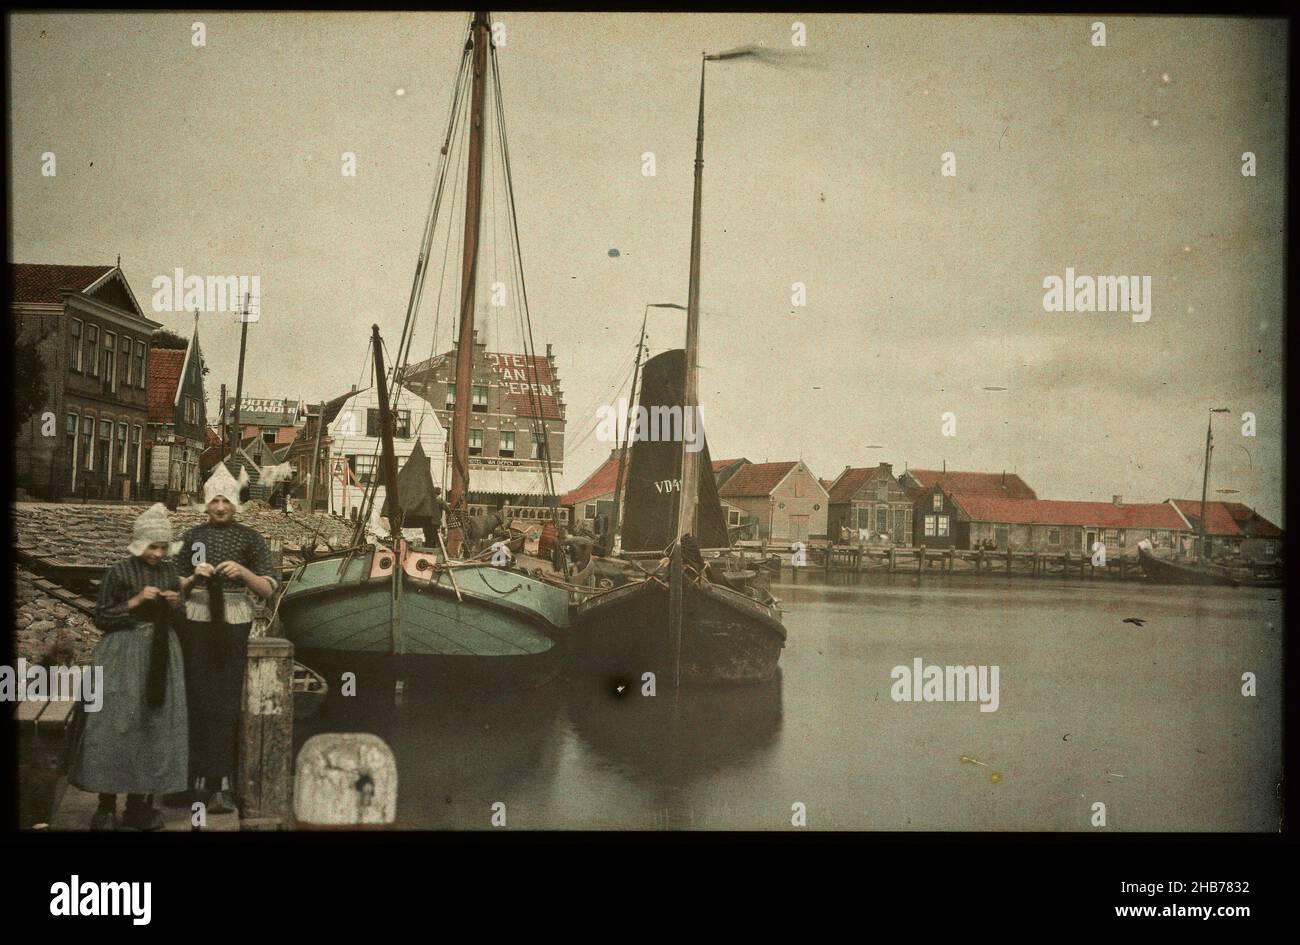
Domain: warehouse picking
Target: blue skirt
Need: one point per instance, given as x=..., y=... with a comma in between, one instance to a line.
x=128, y=747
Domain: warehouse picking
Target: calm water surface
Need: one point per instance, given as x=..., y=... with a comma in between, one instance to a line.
x=1150, y=721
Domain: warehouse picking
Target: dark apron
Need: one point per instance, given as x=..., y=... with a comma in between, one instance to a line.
x=215, y=656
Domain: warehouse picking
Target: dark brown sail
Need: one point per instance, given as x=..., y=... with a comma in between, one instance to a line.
x=654, y=473
x=414, y=490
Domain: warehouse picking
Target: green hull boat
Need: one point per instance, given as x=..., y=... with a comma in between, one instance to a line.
x=345, y=609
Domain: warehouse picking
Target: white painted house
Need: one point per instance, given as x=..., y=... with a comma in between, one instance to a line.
x=356, y=456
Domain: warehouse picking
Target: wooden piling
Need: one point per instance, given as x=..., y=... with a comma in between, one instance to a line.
x=266, y=731
x=920, y=560
x=891, y=560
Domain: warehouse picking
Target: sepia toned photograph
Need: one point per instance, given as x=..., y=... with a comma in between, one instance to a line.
x=646, y=422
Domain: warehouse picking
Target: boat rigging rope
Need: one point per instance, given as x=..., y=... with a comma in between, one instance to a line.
x=530, y=348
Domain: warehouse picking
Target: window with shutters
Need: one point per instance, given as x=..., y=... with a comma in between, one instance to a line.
x=88, y=442
x=70, y=435
x=110, y=361
x=105, y=448
x=74, y=345
x=92, y=350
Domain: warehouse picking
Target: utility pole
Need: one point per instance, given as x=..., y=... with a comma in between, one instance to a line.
x=239, y=380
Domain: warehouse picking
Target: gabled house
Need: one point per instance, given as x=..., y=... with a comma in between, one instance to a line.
x=867, y=504
x=936, y=517
x=177, y=434
x=785, y=499
x=1231, y=528
x=356, y=458
x=724, y=469
x=595, y=496
x=253, y=456
x=94, y=340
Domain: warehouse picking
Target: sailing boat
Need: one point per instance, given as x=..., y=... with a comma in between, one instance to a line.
x=1201, y=571
x=412, y=606
x=684, y=619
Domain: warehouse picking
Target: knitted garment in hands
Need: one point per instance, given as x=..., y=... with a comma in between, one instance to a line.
x=159, y=612
x=123, y=581
x=215, y=544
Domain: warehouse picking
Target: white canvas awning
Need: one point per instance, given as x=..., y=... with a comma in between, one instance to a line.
x=506, y=481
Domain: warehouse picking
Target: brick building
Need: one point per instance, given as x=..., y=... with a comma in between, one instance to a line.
x=867, y=504
x=178, y=422
x=514, y=398
x=88, y=440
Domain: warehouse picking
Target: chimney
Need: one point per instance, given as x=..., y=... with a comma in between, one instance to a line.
x=548, y=349
x=1117, y=500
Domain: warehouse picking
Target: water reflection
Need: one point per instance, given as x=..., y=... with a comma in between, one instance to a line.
x=458, y=749
x=678, y=736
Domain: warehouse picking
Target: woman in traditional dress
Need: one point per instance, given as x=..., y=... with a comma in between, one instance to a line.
x=227, y=561
x=137, y=743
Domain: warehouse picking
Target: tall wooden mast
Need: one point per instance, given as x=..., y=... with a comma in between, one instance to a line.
x=688, y=507
x=469, y=272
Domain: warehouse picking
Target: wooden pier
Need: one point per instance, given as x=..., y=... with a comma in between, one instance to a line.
x=263, y=781
x=922, y=561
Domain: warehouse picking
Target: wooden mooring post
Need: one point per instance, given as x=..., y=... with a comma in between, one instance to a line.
x=346, y=779
x=266, y=734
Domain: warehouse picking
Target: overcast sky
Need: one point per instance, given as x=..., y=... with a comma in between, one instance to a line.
x=922, y=289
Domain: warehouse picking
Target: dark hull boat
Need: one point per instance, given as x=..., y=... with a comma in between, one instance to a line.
x=1177, y=572
x=727, y=634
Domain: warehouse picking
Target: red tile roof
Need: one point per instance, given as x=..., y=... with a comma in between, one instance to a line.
x=164, y=377
x=756, y=479
x=849, y=482
x=601, y=482
x=1218, y=519
x=1007, y=485
x=38, y=283
x=987, y=508
x=1242, y=514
